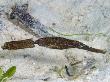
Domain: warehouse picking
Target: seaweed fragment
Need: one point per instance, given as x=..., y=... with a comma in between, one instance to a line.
x=21, y=44
x=4, y=76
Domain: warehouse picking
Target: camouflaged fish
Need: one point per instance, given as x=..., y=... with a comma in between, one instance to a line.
x=63, y=43
x=50, y=42
x=20, y=13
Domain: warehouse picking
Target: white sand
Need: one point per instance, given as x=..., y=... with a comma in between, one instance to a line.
x=89, y=17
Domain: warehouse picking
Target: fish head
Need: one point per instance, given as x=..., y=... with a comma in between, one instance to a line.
x=17, y=10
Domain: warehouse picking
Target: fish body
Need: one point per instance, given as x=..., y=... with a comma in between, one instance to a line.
x=50, y=42
x=20, y=13
x=63, y=43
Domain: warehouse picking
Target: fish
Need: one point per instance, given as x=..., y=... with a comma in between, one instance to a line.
x=20, y=12
x=21, y=44
x=63, y=43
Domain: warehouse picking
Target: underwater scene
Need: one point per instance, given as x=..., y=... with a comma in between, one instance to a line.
x=54, y=40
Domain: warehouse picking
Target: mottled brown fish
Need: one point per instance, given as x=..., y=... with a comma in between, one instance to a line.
x=21, y=44
x=63, y=43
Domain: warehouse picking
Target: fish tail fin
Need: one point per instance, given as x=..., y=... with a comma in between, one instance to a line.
x=85, y=47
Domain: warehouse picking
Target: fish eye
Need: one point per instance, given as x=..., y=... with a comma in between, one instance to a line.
x=12, y=16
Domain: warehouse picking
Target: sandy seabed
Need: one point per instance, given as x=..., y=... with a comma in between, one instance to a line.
x=87, y=21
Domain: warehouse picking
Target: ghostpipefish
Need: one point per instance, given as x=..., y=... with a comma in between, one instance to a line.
x=50, y=42
x=31, y=24
x=63, y=43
